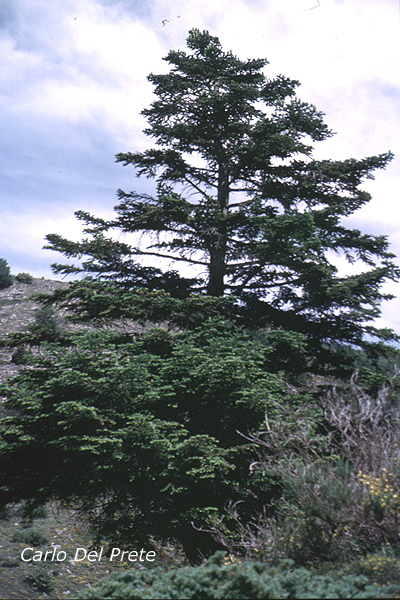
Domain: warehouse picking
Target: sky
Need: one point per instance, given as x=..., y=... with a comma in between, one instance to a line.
x=73, y=83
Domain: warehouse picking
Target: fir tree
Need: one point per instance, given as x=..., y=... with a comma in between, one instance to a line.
x=143, y=430
x=240, y=197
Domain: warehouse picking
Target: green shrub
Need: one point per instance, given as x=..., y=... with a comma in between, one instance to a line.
x=39, y=577
x=46, y=323
x=158, y=341
x=5, y=513
x=6, y=279
x=30, y=535
x=340, y=492
x=10, y=563
x=145, y=429
x=21, y=356
x=380, y=568
x=24, y=278
x=222, y=578
x=39, y=512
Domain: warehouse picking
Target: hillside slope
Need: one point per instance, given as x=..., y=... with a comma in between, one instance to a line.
x=17, y=311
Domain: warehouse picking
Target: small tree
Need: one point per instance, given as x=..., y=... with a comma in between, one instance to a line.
x=239, y=197
x=6, y=279
x=46, y=324
x=141, y=435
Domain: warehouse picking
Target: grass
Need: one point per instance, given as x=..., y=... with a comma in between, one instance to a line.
x=28, y=580
x=8, y=302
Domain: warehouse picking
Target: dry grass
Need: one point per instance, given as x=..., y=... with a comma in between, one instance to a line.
x=66, y=578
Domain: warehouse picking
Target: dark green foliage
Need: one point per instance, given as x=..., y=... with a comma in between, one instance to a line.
x=46, y=327
x=240, y=198
x=223, y=578
x=149, y=434
x=40, y=578
x=24, y=278
x=21, y=356
x=142, y=435
x=5, y=513
x=46, y=324
x=6, y=279
x=38, y=512
x=30, y=535
x=31, y=510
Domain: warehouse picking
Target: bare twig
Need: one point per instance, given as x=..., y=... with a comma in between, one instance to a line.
x=317, y=6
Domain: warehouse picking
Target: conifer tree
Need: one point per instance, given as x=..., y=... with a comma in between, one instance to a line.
x=239, y=197
x=143, y=430
x=6, y=279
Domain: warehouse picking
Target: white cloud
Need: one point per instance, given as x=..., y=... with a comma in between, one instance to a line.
x=73, y=82
x=71, y=63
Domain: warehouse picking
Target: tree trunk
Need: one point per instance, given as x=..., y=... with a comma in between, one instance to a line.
x=216, y=269
x=223, y=188
x=217, y=243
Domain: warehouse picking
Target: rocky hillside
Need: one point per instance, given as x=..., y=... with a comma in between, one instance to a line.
x=17, y=310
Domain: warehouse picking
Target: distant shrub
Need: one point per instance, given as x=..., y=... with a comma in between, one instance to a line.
x=39, y=512
x=29, y=511
x=9, y=563
x=24, y=278
x=158, y=341
x=40, y=578
x=46, y=323
x=30, y=535
x=5, y=513
x=6, y=279
x=21, y=356
x=222, y=578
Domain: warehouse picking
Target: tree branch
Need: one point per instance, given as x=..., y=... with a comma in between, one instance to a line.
x=158, y=254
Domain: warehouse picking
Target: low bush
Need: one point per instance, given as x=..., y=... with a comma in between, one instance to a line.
x=39, y=512
x=21, y=356
x=5, y=513
x=24, y=278
x=40, y=578
x=46, y=323
x=30, y=535
x=223, y=578
x=339, y=473
x=382, y=568
x=143, y=429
